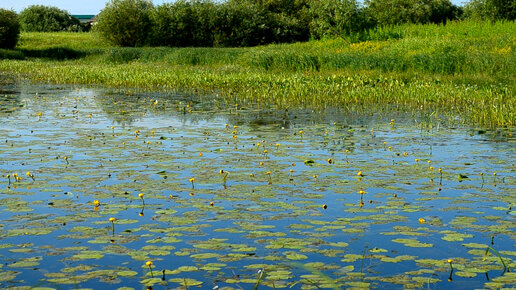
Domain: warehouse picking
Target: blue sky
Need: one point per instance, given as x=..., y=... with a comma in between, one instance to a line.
x=72, y=6
x=82, y=6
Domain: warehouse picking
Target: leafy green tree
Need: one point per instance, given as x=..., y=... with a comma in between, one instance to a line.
x=443, y=10
x=47, y=19
x=491, y=10
x=336, y=18
x=184, y=23
x=393, y=12
x=126, y=22
x=242, y=23
x=9, y=29
x=290, y=19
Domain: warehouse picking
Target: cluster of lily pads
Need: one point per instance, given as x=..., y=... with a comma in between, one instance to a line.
x=168, y=191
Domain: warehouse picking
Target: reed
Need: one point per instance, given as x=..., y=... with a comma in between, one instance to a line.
x=462, y=69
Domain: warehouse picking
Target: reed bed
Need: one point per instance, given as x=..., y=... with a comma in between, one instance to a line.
x=462, y=69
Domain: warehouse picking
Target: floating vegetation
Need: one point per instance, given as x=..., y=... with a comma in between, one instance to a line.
x=161, y=194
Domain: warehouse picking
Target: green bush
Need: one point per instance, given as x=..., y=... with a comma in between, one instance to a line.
x=336, y=18
x=290, y=19
x=443, y=10
x=9, y=29
x=126, y=22
x=39, y=18
x=394, y=12
x=242, y=23
x=491, y=10
x=184, y=23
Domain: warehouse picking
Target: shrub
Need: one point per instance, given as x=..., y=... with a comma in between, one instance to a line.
x=126, y=22
x=336, y=18
x=443, y=10
x=184, y=23
x=39, y=18
x=242, y=23
x=9, y=29
x=394, y=12
x=290, y=19
x=491, y=10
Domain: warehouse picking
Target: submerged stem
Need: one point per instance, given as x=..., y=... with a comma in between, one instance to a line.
x=499, y=257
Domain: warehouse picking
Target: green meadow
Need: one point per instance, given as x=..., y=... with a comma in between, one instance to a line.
x=463, y=72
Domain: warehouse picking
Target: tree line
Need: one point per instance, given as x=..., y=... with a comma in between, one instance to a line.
x=233, y=23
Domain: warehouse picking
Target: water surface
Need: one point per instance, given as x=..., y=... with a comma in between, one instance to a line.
x=235, y=196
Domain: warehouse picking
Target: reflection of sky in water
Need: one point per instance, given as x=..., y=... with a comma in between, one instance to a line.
x=102, y=165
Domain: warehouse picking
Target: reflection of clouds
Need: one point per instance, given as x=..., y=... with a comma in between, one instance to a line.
x=127, y=108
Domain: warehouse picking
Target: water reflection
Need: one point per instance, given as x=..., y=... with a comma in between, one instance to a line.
x=186, y=189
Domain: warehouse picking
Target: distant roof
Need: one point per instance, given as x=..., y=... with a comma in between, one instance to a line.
x=83, y=16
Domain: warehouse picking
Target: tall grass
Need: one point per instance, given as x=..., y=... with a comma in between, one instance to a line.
x=462, y=69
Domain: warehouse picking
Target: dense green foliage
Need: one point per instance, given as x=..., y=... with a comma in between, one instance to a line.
x=9, y=29
x=48, y=19
x=235, y=23
x=183, y=23
x=491, y=10
x=336, y=18
x=204, y=23
x=126, y=22
x=244, y=23
x=465, y=69
x=250, y=23
x=392, y=12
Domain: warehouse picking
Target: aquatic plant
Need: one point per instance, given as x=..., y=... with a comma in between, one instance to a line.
x=149, y=264
x=112, y=220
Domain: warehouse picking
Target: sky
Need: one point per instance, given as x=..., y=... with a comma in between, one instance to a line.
x=72, y=6
x=83, y=6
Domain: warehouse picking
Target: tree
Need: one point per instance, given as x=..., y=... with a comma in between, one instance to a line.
x=443, y=10
x=491, y=9
x=290, y=19
x=46, y=19
x=242, y=23
x=393, y=12
x=9, y=29
x=184, y=23
x=336, y=18
x=126, y=22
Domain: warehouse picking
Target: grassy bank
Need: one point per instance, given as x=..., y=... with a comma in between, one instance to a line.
x=463, y=69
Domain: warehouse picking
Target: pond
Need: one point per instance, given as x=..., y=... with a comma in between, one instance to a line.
x=131, y=190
